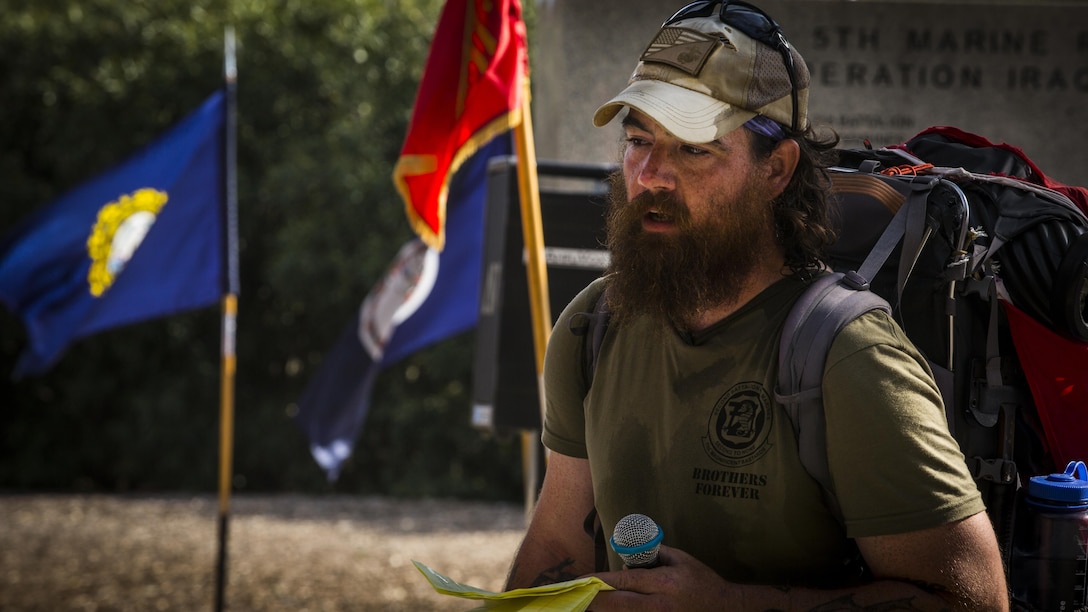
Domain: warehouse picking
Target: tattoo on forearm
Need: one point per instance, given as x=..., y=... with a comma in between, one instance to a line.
x=557, y=573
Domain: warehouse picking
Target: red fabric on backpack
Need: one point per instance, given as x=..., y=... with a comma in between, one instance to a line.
x=1079, y=195
x=1056, y=368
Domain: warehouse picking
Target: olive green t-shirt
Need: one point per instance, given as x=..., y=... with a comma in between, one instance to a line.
x=684, y=428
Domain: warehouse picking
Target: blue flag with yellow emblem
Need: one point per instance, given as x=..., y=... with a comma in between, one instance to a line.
x=141, y=240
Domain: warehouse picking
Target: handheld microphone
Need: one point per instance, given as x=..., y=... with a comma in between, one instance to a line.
x=636, y=540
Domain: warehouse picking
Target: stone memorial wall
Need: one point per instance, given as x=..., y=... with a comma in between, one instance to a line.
x=881, y=70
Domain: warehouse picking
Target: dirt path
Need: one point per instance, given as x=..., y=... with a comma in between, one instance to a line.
x=292, y=553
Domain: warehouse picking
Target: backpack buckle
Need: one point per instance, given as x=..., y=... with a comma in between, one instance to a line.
x=855, y=281
x=992, y=470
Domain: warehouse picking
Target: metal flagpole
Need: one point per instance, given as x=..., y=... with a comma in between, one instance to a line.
x=532, y=228
x=230, y=311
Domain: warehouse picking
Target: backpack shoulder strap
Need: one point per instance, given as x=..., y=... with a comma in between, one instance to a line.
x=591, y=325
x=599, y=325
x=822, y=311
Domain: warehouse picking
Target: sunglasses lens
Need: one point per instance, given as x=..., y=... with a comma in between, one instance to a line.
x=705, y=8
x=755, y=25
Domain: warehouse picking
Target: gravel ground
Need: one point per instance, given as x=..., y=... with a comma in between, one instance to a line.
x=104, y=552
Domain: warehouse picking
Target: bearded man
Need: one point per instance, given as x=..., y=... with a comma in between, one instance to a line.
x=717, y=224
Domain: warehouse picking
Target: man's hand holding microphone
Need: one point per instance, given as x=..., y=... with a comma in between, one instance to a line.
x=678, y=580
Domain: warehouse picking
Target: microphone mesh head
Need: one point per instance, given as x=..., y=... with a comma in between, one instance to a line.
x=636, y=540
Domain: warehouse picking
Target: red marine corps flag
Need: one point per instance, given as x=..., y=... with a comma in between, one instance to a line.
x=470, y=97
x=471, y=91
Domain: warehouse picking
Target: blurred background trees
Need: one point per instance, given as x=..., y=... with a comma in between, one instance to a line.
x=324, y=97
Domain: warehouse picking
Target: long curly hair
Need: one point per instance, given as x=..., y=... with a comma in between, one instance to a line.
x=802, y=215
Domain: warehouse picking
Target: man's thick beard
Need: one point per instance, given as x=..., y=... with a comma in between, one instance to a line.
x=673, y=278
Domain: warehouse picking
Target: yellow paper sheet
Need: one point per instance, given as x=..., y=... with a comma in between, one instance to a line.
x=569, y=596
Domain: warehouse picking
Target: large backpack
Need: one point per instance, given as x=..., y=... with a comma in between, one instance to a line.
x=991, y=239
x=972, y=249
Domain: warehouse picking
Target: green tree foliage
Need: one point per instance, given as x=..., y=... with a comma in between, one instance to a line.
x=325, y=91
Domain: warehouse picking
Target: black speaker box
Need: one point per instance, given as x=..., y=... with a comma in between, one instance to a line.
x=572, y=207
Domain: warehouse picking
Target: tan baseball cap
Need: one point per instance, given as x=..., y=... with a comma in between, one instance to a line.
x=701, y=78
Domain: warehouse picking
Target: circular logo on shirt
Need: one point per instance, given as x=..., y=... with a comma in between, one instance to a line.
x=738, y=432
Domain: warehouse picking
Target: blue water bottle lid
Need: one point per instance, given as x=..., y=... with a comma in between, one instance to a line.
x=1069, y=489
